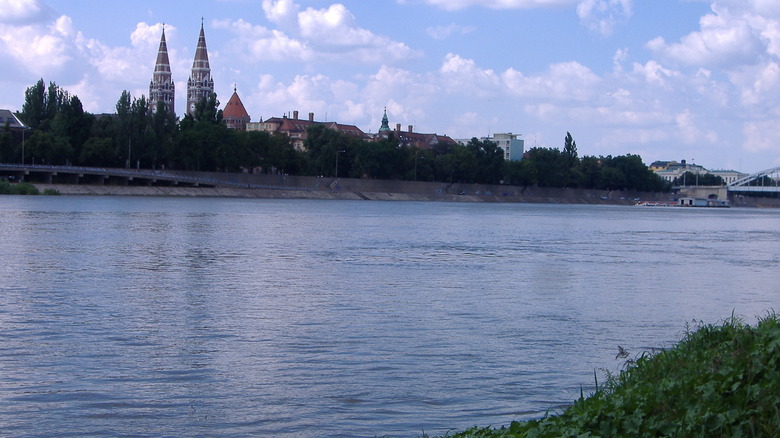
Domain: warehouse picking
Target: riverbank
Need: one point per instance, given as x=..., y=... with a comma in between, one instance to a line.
x=377, y=191
x=350, y=191
x=718, y=381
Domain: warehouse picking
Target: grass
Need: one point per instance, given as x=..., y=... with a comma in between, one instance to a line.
x=718, y=381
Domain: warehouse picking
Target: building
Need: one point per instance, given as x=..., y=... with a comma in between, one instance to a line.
x=9, y=119
x=409, y=138
x=234, y=115
x=729, y=176
x=513, y=147
x=200, y=85
x=661, y=165
x=675, y=170
x=162, y=88
x=296, y=128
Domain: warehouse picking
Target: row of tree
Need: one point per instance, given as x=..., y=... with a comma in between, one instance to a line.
x=135, y=136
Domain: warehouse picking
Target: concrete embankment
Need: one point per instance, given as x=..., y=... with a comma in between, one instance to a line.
x=355, y=189
x=242, y=185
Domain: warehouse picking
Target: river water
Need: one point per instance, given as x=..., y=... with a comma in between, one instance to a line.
x=301, y=318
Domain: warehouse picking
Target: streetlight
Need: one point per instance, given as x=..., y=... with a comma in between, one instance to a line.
x=23, y=131
x=337, y=163
x=416, y=155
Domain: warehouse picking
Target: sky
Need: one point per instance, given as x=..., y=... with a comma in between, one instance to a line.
x=697, y=80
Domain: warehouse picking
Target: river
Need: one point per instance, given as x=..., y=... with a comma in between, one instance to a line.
x=302, y=318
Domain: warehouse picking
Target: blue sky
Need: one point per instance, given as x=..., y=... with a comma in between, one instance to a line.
x=665, y=79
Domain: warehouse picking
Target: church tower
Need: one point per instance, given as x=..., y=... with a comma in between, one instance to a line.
x=234, y=115
x=385, y=124
x=200, y=84
x=162, y=88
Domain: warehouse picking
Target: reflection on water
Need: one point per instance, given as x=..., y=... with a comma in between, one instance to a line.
x=307, y=318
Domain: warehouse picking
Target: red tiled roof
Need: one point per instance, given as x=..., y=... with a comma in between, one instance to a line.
x=235, y=108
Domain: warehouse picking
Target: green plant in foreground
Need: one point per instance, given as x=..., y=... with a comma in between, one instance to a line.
x=719, y=381
x=21, y=188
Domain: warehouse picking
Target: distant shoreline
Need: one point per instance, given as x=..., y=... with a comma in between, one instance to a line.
x=512, y=194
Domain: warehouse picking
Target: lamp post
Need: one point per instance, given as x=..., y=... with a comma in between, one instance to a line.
x=337, y=163
x=23, y=131
x=416, y=155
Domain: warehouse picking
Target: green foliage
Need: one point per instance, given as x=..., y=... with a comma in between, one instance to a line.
x=137, y=136
x=489, y=160
x=705, y=179
x=328, y=150
x=719, y=381
x=21, y=188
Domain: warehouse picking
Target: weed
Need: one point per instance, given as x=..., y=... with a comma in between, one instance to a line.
x=718, y=381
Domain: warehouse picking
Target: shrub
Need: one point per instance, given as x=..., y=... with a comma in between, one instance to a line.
x=719, y=381
x=22, y=188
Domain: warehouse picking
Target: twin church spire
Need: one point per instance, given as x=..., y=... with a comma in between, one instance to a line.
x=162, y=89
x=199, y=85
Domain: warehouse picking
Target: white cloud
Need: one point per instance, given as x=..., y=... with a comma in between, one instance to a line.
x=313, y=34
x=599, y=16
x=38, y=50
x=724, y=39
x=20, y=12
x=263, y=44
x=602, y=16
x=689, y=131
x=283, y=13
x=759, y=85
x=453, y=5
x=562, y=81
x=653, y=73
x=444, y=32
x=462, y=76
x=760, y=137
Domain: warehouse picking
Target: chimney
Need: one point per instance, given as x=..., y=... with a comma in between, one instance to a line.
x=411, y=128
x=311, y=117
x=398, y=127
x=295, y=115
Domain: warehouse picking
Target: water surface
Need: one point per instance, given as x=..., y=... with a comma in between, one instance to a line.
x=205, y=317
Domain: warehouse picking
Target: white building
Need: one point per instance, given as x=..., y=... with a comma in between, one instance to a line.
x=729, y=176
x=513, y=147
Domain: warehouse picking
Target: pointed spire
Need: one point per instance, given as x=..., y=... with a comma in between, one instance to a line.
x=201, y=53
x=162, y=88
x=385, y=123
x=200, y=85
x=163, y=63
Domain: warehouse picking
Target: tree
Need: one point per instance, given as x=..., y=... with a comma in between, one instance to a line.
x=34, y=107
x=41, y=105
x=382, y=159
x=570, y=150
x=590, y=171
x=329, y=152
x=704, y=179
x=522, y=173
x=489, y=159
x=97, y=152
x=45, y=148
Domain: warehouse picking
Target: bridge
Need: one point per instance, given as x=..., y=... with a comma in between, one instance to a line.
x=766, y=181
x=128, y=176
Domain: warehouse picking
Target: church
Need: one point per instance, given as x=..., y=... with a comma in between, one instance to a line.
x=199, y=85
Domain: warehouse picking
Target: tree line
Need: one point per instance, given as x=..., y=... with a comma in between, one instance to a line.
x=62, y=133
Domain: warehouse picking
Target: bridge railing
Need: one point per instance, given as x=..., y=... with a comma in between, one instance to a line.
x=230, y=180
